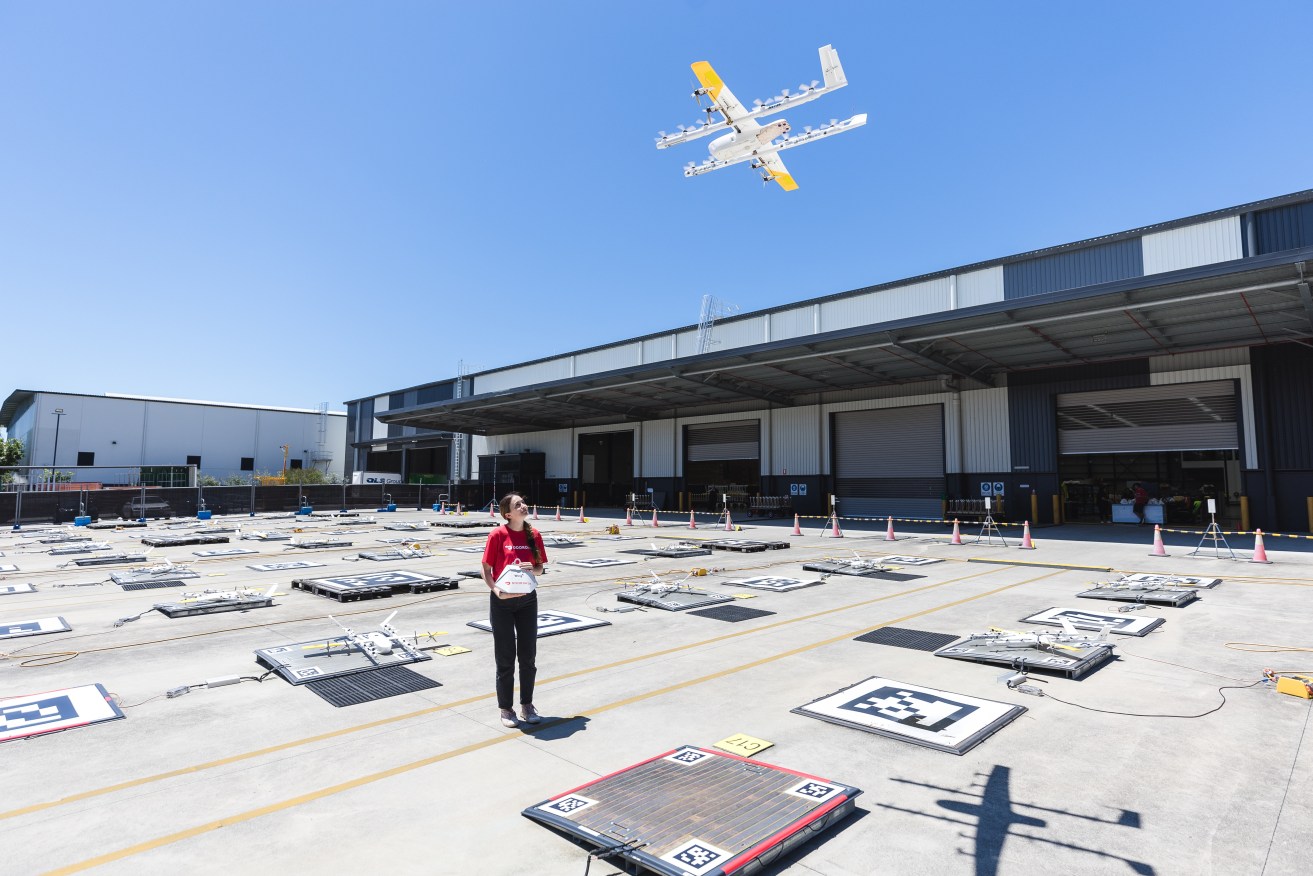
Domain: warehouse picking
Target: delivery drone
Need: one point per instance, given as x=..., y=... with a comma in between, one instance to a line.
x=1068, y=639
x=745, y=139
x=374, y=643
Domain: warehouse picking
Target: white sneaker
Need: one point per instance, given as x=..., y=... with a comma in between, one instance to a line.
x=508, y=719
x=529, y=715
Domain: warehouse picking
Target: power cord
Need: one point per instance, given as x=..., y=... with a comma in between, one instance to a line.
x=1146, y=715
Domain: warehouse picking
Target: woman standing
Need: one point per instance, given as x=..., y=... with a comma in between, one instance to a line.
x=514, y=617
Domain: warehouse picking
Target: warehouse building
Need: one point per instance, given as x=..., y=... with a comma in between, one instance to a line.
x=85, y=436
x=1175, y=355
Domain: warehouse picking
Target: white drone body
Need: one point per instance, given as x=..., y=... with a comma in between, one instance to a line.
x=747, y=140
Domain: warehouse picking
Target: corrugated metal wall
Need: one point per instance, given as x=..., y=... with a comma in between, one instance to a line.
x=658, y=349
x=380, y=430
x=980, y=287
x=1071, y=270
x=686, y=343
x=793, y=323
x=1241, y=373
x=952, y=442
x=558, y=444
x=659, y=452
x=886, y=304
x=1032, y=415
x=1202, y=244
x=1283, y=376
x=986, y=444
x=796, y=442
x=608, y=359
x=524, y=375
x=1283, y=228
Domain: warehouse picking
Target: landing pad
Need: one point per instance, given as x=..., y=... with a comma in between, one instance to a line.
x=266, y=536
x=34, y=714
x=697, y=812
x=552, y=622
x=329, y=657
x=180, y=540
x=775, y=585
x=417, y=526
x=193, y=604
x=9, y=589
x=674, y=552
x=463, y=524
x=1173, y=596
x=110, y=560
x=374, y=585
x=858, y=570
x=398, y=554
x=283, y=567
x=926, y=716
x=745, y=545
x=1172, y=580
x=225, y=552
x=171, y=578
x=77, y=547
x=561, y=541
x=618, y=537
x=674, y=600
x=8, y=568
x=117, y=524
x=1073, y=659
x=1121, y=624
x=908, y=561
x=596, y=562
x=38, y=627
x=315, y=544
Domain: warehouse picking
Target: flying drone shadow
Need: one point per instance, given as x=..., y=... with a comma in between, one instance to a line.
x=994, y=815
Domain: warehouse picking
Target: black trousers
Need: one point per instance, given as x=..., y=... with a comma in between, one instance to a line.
x=514, y=633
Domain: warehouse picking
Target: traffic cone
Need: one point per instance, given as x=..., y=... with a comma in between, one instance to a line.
x=629, y=517
x=692, y=524
x=835, y=532
x=535, y=512
x=442, y=508
x=1260, y=552
x=655, y=523
x=458, y=511
x=957, y=532
x=492, y=510
x=581, y=515
x=1026, y=543
x=729, y=525
x=558, y=513
x=1158, y=549
x=797, y=525
x=889, y=535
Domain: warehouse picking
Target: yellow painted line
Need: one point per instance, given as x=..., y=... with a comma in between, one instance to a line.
x=382, y=722
x=1003, y=562
x=250, y=814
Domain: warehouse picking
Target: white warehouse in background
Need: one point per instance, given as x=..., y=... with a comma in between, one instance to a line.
x=77, y=432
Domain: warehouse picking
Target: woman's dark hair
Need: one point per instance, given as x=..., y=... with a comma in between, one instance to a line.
x=504, y=506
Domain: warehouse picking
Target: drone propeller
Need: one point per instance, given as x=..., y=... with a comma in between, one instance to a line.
x=784, y=92
x=806, y=129
x=757, y=101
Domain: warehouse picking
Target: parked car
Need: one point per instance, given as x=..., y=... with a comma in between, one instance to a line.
x=153, y=506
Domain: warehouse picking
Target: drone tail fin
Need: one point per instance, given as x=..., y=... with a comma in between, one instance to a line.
x=831, y=68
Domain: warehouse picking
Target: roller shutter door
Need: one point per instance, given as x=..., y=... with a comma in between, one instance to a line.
x=890, y=461
x=737, y=440
x=1178, y=416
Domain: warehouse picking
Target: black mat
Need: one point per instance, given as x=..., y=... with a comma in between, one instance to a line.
x=152, y=585
x=915, y=640
x=731, y=613
x=364, y=687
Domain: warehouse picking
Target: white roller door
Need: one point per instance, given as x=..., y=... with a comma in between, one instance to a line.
x=890, y=461
x=1178, y=416
x=740, y=439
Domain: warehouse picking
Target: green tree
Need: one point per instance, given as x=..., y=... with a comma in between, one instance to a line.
x=305, y=476
x=11, y=453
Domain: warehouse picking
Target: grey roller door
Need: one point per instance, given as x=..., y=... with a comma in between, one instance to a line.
x=1178, y=416
x=736, y=440
x=890, y=461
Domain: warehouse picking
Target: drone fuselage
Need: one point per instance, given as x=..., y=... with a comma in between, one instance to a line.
x=728, y=147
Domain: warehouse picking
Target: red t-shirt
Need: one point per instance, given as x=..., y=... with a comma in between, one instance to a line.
x=506, y=546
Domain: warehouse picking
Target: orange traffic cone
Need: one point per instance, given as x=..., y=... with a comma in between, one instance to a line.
x=797, y=525
x=654, y=518
x=581, y=515
x=458, y=511
x=629, y=517
x=492, y=510
x=957, y=532
x=558, y=513
x=835, y=532
x=729, y=525
x=1260, y=552
x=1158, y=549
x=535, y=512
x=692, y=524
x=1026, y=543
x=442, y=507
x=889, y=535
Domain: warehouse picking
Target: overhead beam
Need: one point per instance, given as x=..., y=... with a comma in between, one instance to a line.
x=739, y=386
x=938, y=362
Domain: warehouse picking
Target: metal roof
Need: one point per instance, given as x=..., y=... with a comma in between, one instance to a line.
x=1246, y=302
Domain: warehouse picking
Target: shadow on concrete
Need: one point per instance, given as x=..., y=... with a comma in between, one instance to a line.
x=993, y=814
x=557, y=728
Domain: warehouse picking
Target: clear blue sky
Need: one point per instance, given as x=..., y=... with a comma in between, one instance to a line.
x=293, y=202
